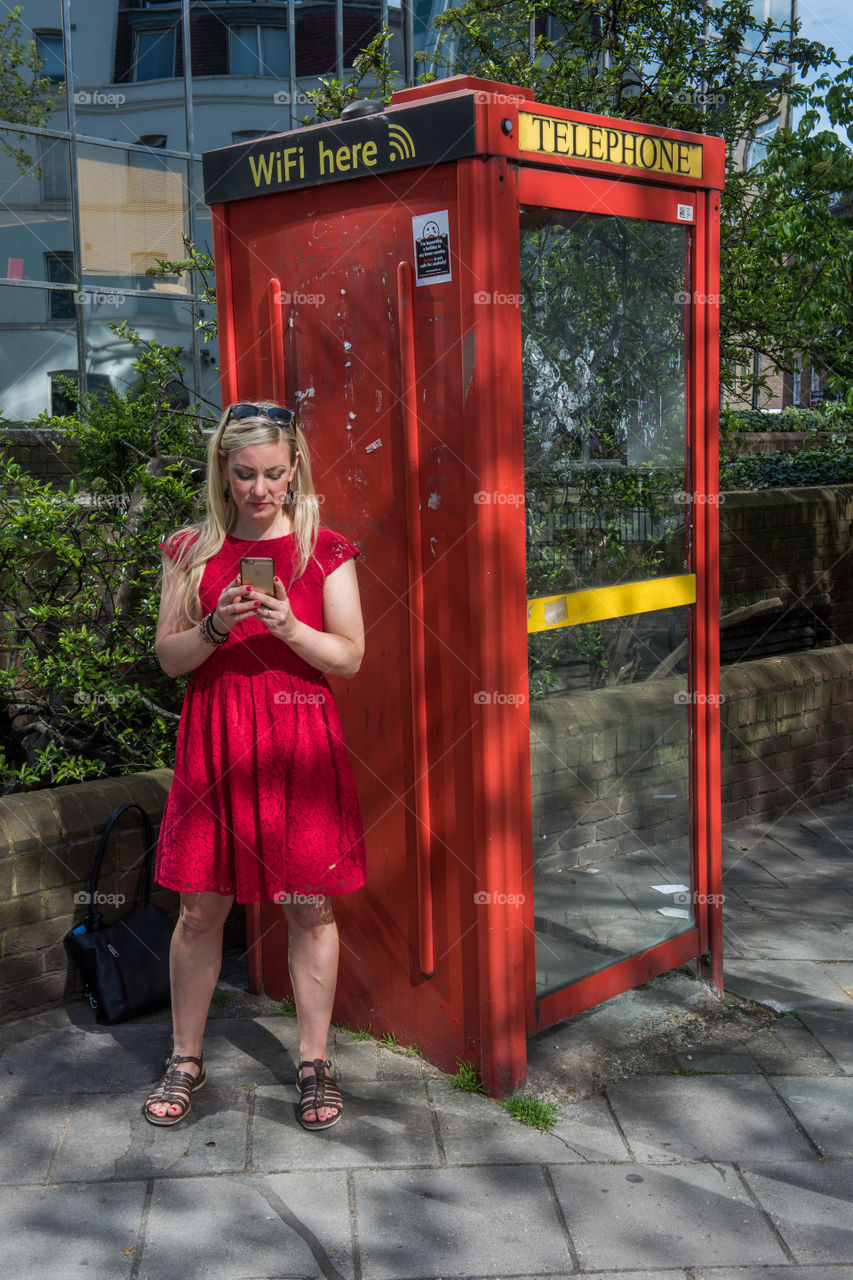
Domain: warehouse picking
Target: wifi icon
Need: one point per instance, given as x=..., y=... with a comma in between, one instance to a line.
x=400, y=143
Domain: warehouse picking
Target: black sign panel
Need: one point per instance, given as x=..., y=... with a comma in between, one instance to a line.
x=405, y=138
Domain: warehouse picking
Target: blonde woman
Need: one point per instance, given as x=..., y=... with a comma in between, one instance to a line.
x=263, y=803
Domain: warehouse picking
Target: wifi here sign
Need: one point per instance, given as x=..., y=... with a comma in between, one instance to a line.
x=429, y=133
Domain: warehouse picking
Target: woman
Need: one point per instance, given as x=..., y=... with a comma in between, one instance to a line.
x=263, y=803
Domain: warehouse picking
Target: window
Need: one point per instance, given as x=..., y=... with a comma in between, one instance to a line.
x=49, y=45
x=53, y=162
x=59, y=269
x=756, y=149
x=154, y=54
x=258, y=51
x=797, y=389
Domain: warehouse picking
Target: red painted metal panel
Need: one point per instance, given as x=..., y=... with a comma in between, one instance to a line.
x=559, y=1005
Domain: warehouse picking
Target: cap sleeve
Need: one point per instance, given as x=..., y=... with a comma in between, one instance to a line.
x=333, y=549
x=171, y=546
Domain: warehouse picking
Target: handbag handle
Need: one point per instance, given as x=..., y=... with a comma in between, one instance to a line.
x=148, y=835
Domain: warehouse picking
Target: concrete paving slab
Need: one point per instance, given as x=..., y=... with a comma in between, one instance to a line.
x=833, y=1030
x=109, y=1138
x=476, y=1130
x=283, y=1226
x=31, y=1130
x=789, y=1048
x=728, y=1118
x=795, y=984
x=111, y=1059
x=824, y=1108
x=811, y=1207
x=383, y=1124
x=51, y=1233
x=776, y=935
x=497, y=1220
x=789, y=1272
x=712, y=1061
x=643, y=1216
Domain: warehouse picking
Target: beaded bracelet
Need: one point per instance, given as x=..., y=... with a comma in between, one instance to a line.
x=214, y=627
x=208, y=633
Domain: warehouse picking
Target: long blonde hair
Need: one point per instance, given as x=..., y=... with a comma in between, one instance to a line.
x=185, y=571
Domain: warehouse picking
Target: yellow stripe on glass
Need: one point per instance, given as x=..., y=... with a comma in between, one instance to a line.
x=546, y=613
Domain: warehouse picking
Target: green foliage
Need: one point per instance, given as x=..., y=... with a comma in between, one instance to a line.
x=466, y=1078
x=788, y=470
x=359, y=1033
x=220, y=999
x=372, y=63
x=287, y=1007
x=389, y=1040
x=81, y=692
x=199, y=265
x=786, y=261
x=27, y=96
x=533, y=1111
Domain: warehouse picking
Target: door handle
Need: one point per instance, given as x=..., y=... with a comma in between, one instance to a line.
x=408, y=399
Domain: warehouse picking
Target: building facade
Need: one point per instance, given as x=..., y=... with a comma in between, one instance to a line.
x=112, y=180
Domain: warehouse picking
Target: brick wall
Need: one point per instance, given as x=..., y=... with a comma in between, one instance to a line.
x=47, y=843
x=793, y=544
x=610, y=765
x=45, y=454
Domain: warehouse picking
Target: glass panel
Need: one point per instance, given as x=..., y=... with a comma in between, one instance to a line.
x=119, y=50
x=233, y=61
x=132, y=212
x=35, y=214
x=361, y=23
x=33, y=348
x=109, y=361
x=315, y=41
x=604, y=330
x=42, y=24
x=611, y=873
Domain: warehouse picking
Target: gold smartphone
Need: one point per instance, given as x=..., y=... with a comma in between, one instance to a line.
x=259, y=572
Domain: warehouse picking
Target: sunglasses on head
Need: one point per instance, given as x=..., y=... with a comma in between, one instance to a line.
x=282, y=417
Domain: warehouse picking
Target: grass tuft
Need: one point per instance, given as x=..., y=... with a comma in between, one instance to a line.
x=533, y=1111
x=466, y=1078
x=220, y=998
x=287, y=1007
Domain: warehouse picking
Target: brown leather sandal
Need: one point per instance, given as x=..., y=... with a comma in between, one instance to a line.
x=174, y=1089
x=316, y=1091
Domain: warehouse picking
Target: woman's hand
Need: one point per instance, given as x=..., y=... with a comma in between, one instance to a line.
x=274, y=611
x=233, y=606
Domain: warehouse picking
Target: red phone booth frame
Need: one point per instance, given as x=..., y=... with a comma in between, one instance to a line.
x=448, y=809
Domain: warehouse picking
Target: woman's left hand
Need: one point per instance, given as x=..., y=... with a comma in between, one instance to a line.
x=275, y=611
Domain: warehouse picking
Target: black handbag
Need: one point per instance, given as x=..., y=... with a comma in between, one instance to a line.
x=125, y=965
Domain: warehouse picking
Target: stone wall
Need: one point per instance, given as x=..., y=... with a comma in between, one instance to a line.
x=794, y=545
x=47, y=843
x=613, y=763
x=44, y=453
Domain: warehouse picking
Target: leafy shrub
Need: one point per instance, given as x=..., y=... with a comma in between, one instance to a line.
x=81, y=692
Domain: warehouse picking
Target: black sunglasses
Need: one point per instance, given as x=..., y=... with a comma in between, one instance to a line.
x=282, y=417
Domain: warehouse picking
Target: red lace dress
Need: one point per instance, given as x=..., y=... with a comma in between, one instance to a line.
x=263, y=801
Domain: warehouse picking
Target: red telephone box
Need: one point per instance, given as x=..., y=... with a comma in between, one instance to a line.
x=498, y=321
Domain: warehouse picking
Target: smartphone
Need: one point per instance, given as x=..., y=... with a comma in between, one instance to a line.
x=259, y=571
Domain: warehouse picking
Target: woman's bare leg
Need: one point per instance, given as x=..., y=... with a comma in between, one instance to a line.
x=195, y=960
x=313, y=962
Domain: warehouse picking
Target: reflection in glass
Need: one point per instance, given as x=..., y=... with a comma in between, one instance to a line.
x=258, y=50
x=35, y=214
x=133, y=211
x=110, y=358
x=604, y=315
x=32, y=351
x=603, y=333
x=612, y=805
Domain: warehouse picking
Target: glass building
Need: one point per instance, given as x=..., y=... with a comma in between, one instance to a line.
x=112, y=182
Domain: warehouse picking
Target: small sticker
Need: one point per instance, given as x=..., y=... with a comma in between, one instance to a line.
x=376, y=444
x=685, y=213
x=555, y=611
x=431, y=236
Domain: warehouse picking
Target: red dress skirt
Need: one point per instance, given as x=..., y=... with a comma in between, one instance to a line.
x=263, y=801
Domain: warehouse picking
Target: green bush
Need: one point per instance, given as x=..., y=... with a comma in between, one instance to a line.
x=787, y=470
x=81, y=692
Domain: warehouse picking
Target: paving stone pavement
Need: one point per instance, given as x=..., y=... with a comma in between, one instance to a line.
x=718, y=1162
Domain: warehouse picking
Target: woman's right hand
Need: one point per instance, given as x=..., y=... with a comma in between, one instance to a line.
x=230, y=609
